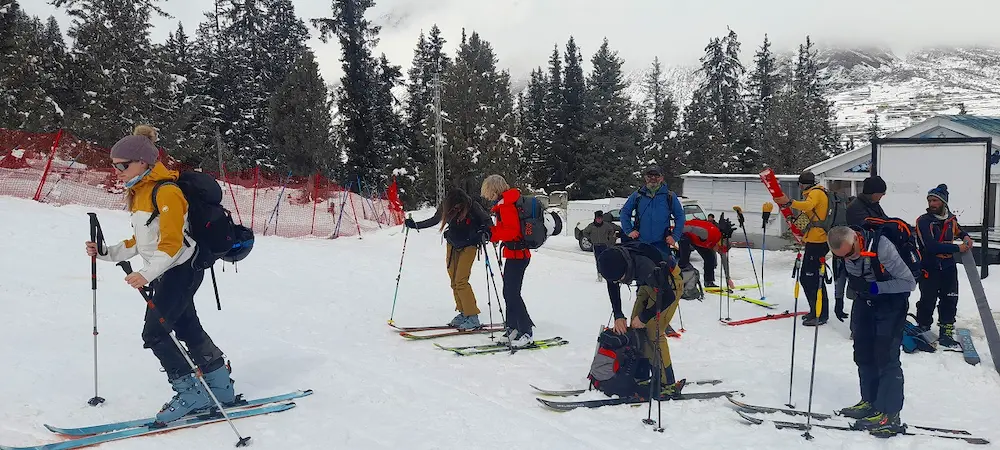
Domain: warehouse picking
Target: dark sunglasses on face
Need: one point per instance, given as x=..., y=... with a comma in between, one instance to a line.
x=122, y=166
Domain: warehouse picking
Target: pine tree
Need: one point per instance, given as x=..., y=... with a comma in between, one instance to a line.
x=611, y=156
x=355, y=99
x=570, y=136
x=389, y=132
x=660, y=112
x=299, y=122
x=765, y=83
x=419, y=184
x=481, y=122
x=556, y=154
x=117, y=68
x=703, y=138
x=819, y=137
x=536, y=148
x=874, y=127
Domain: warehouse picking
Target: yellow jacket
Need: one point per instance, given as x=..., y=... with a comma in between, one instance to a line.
x=162, y=244
x=814, y=206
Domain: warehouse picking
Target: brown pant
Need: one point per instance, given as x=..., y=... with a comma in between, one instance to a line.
x=459, y=268
x=645, y=299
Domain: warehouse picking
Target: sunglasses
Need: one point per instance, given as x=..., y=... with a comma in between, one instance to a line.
x=122, y=166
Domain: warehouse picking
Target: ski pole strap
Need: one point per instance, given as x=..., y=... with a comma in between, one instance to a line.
x=97, y=234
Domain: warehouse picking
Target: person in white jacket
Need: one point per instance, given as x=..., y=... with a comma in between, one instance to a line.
x=166, y=250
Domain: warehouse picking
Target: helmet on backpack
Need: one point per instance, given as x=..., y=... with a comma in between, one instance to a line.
x=241, y=248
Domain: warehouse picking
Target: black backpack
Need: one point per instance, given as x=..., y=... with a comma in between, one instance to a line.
x=619, y=365
x=532, y=219
x=901, y=234
x=211, y=225
x=836, y=213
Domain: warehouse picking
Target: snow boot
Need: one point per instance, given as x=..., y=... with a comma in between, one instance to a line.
x=457, y=320
x=880, y=425
x=518, y=339
x=859, y=411
x=947, y=336
x=470, y=323
x=222, y=386
x=190, y=397
x=813, y=322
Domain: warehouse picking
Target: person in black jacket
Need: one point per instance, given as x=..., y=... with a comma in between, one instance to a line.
x=863, y=206
x=660, y=287
x=468, y=227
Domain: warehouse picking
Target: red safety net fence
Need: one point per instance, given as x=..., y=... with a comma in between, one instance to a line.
x=60, y=169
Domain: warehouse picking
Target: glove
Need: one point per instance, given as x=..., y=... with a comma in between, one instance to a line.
x=726, y=227
x=873, y=288
x=410, y=223
x=838, y=309
x=857, y=284
x=659, y=276
x=485, y=234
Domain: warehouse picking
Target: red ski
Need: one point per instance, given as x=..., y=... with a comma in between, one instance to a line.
x=771, y=183
x=767, y=317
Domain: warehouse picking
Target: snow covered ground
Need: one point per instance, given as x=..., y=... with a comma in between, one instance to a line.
x=311, y=313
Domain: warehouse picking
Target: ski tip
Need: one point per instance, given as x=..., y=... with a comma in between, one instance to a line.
x=306, y=392
x=751, y=419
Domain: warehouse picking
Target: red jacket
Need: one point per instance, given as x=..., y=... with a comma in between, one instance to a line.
x=508, y=227
x=702, y=233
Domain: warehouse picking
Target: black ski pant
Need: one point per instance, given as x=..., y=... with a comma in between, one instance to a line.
x=811, y=281
x=708, y=255
x=513, y=278
x=173, y=297
x=878, y=333
x=940, y=287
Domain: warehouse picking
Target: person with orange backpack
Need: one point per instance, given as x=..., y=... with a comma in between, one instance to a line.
x=936, y=230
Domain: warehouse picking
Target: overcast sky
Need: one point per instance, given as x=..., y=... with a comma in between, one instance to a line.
x=523, y=32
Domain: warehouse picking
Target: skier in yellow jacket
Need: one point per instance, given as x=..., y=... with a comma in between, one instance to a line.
x=814, y=206
x=166, y=253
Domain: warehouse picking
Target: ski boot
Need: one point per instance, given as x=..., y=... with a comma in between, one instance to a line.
x=880, y=425
x=190, y=397
x=222, y=385
x=470, y=323
x=859, y=411
x=518, y=339
x=946, y=338
x=457, y=320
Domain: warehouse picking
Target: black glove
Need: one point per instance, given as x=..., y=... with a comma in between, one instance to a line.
x=726, y=227
x=661, y=277
x=485, y=235
x=410, y=223
x=838, y=309
x=857, y=284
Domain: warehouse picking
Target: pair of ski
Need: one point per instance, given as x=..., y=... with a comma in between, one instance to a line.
x=732, y=294
x=501, y=347
x=829, y=421
x=439, y=331
x=88, y=436
x=563, y=406
x=783, y=315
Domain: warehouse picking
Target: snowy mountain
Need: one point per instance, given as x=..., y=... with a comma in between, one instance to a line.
x=902, y=88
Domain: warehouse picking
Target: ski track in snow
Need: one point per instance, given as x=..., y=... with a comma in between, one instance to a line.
x=311, y=313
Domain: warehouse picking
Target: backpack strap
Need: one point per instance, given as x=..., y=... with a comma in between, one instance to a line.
x=156, y=208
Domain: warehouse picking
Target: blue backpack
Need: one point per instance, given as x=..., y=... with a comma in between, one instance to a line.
x=914, y=338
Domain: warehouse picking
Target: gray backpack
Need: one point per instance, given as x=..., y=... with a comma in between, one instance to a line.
x=692, y=284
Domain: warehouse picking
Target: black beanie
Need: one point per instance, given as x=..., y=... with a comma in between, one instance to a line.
x=807, y=178
x=598, y=213
x=612, y=265
x=873, y=185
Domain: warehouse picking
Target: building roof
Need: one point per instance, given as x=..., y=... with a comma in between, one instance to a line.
x=986, y=124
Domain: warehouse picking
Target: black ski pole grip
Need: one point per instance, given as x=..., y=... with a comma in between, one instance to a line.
x=739, y=214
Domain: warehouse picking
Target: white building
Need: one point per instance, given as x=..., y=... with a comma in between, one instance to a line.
x=844, y=173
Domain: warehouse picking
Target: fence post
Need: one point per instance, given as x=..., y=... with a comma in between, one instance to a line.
x=315, y=200
x=253, y=207
x=48, y=166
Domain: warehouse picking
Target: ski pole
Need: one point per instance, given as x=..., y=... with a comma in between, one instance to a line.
x=489, y=270
x=791, y=370
x=739, y=215
x=764, y=216
x=812, y=378
x=406, y=235
x=96, y=236
x=242, y=441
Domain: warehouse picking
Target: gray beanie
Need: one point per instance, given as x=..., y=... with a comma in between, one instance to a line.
x=136, y=148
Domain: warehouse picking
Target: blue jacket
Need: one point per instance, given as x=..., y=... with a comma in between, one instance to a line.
x=652, y=216
x=935, y=236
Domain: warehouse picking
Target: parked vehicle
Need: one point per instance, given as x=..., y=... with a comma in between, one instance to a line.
x=692, y=210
